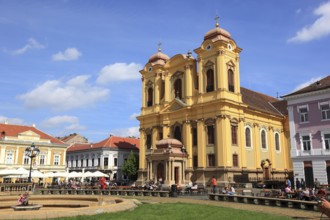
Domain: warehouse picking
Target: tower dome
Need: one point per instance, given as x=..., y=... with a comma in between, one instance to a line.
x=159, y=57
x=217, y=32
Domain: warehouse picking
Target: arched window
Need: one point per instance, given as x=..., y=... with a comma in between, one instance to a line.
x=209, y=80
x=178, y=88
x=247, y=137
x=150, y=97
x=277, y=142
x=231, y=86
x=263, y=139
x=177, y=133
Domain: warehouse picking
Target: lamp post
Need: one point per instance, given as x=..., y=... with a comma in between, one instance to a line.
x=31, y=152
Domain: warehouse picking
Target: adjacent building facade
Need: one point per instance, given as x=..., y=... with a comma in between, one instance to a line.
x=107, y=156
x=222, y=129
x=309, y=114
x=14, y=139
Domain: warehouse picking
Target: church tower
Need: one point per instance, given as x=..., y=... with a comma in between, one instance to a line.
x=219, y=128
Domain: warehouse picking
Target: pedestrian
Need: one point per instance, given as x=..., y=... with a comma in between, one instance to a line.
x=302, y=183
x=214, y=184
x=316, y=184
x=298, y=184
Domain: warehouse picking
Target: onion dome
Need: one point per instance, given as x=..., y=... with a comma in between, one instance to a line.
x=217, y=32
x=159, y=57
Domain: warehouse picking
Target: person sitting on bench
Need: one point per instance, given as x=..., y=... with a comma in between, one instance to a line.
x=24, y=199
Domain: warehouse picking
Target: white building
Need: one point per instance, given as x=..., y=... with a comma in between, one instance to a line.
x=107, y=156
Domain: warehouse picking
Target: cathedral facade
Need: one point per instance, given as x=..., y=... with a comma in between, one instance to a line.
x=220, y=128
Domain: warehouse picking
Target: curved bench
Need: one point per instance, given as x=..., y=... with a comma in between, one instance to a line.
x=270, y=201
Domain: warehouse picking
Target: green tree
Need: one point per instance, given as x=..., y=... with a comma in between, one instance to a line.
x=131, y=166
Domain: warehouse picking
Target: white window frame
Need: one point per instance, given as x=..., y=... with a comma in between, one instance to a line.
x=323, y=133
x=321, y=104
x=305, y=114
x=26, y=160
x=57, y=159
x=302, y=141
x=43, y=158
x=251, y=137
x=9, y=157
x=266, y=135
x=279, y=141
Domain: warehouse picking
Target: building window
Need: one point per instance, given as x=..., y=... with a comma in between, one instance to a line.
x=57, y=160
x=306, y=141
x=235, y=160
x=9, y=158
x=81, y=163
x=160, y=135
x=42, y=159
x=148, y=143
x=263, y=139
x=303, y=111
x=195, y=161
x=115, y=161
x=231, y=84
x=106, y=161
x=210, y=134
x=194, y=136
x=209, y=80
x=247, y=137
x=277, y=142
x=150, y=97
x=234, y=134
x=325, y=111
x=326, y=141
x=26, y=160
x=177, y=133
x=211, y=160
x=178, y=88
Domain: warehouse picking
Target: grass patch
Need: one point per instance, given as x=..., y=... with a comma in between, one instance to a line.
x=181, y=211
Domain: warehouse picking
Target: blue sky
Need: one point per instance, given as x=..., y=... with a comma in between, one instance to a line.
x=72, y=66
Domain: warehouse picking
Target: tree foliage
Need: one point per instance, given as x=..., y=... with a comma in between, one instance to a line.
x=131, y=167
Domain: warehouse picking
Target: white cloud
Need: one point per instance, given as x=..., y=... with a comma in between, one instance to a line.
x=320, y=28
x=31, y=44
x=58, y=95
x=133, y=116
x=118, y=72
x=71, y=122
x=67, y=55
x=307, y=83
x=15, y=121
x=126, y=132
x=298, y=11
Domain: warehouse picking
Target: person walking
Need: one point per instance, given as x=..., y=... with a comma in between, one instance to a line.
x=298, y=184
x=316, y=184
x=302, y=183
x=214, y=184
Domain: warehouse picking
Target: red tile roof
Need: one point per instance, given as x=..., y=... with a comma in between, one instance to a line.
x=316, y=86
x=113, y=142
x=262, y=102
x=14, y=130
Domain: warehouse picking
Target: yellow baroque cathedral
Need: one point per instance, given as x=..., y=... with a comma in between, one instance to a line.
x=197, y=121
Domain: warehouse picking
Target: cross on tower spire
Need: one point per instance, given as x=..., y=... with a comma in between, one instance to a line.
x=217, y=20
x=159, y=46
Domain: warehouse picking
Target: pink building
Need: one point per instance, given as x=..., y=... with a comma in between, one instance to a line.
x=309, y=116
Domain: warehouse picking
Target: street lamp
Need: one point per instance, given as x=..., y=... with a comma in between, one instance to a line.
x=31, y=152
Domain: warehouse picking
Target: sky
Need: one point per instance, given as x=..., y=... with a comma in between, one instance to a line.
x=72, y=66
